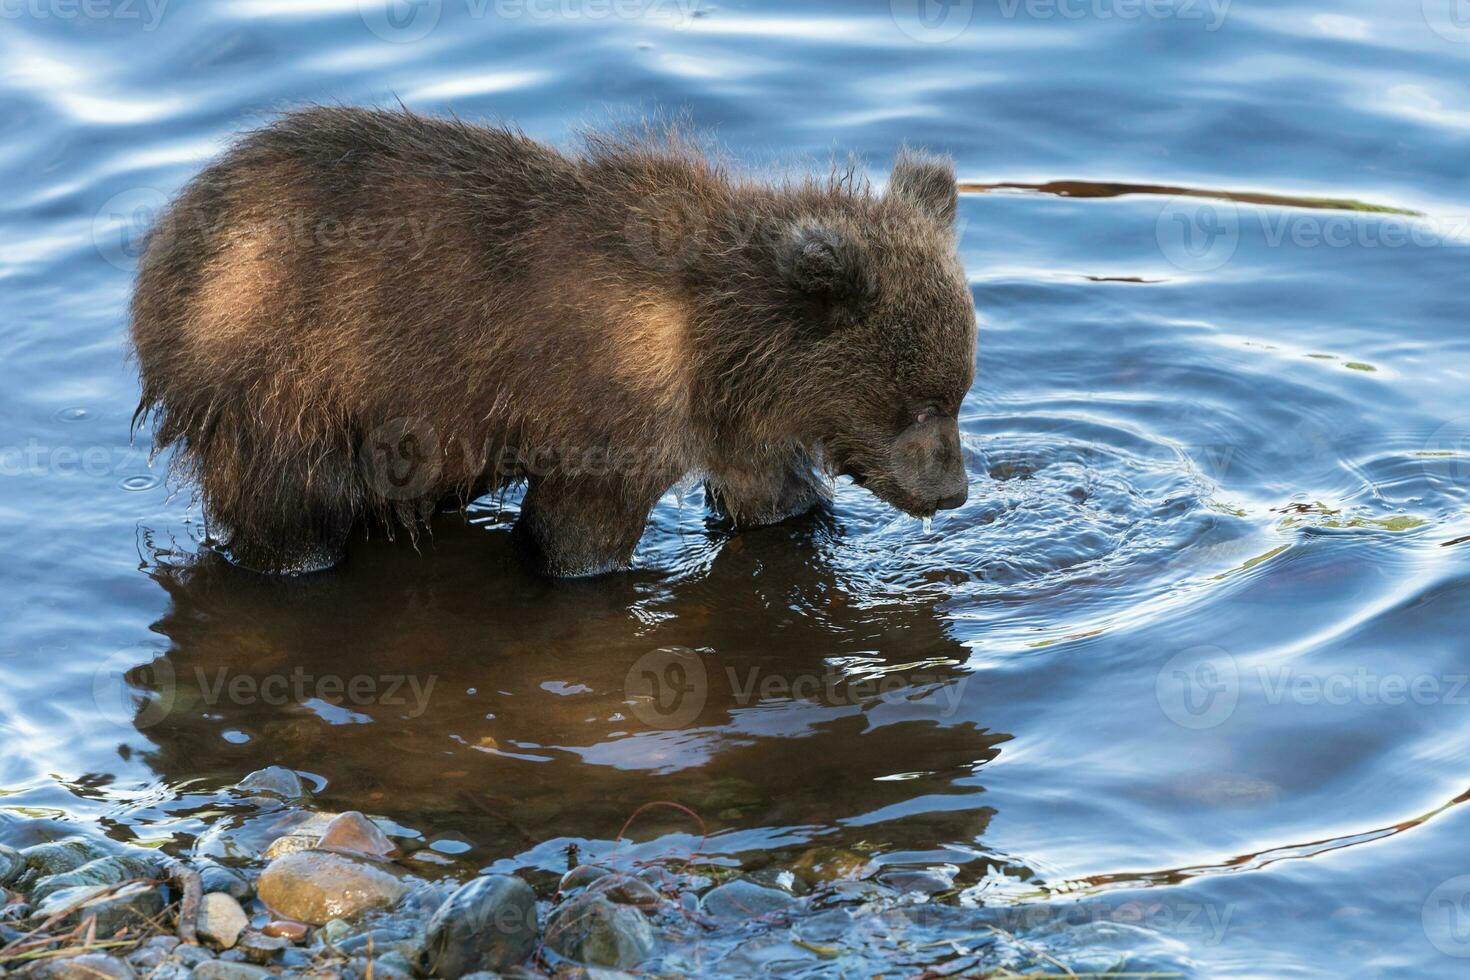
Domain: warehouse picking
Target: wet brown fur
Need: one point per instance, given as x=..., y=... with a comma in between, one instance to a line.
x=359, y=315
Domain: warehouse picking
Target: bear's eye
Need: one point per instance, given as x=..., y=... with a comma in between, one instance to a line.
x=925, y=414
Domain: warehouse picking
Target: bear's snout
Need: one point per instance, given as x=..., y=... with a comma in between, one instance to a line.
x=929, y=467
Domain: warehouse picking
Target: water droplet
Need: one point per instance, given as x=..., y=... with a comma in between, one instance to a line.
x=142, y=481
x=74, y=414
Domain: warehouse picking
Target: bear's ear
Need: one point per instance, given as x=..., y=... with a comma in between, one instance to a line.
x=824, y=266
x=928, y=183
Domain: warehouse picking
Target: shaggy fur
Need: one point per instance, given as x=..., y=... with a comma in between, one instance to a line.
x=358, y=314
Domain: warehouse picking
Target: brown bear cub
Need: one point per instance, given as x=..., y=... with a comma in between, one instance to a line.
x=359, y=315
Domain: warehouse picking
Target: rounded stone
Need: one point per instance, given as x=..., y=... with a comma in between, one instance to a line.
x=318, y=886
x=740, y=900
x=273, y=781
x=353, y=833
x=489, y=924
x=595, y=932
x=11, y=865
x=221, y=920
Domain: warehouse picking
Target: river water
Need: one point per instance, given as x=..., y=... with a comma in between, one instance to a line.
x=1184, y=686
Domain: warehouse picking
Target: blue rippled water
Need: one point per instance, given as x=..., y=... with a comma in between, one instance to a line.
x=1184, y=685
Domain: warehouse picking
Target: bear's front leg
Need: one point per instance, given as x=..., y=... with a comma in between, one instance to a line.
x=759, y=498
x=577, y=526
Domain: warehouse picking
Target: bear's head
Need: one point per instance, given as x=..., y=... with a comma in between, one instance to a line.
x=887, y=327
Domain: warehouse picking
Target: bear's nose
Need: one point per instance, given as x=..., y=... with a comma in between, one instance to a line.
x=953, y=500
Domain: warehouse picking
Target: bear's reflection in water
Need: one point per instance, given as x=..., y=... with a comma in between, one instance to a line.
x=447, y=689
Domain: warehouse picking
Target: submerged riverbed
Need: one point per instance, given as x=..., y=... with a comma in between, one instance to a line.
x=1183, y=687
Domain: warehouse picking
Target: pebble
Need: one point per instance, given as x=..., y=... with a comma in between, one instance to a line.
x=189, y=955
x=273, y=781
x=88, y=966
x=625, y=890
x=221, y=920
x=379, y=969
x=261, y=948
x=11, y=865
x=132, y=906
x=218, y=970
x=318, y=886
x=353, y=833
x=489, y=924
x=595, y=932
x=741, y=900
x=292, y=931
x=151, y=955
x=218, y=878
x=581, y=876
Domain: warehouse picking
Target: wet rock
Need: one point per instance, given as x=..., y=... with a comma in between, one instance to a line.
x=923, y=882
x=821, y=864
x=11, y=865
x=625, y=890
x=859, y=891
x=219, y=970
x=261, y=948
x=227, y=881
x=291, y=931
x=152, y=954
x=380, y=968
x=318, y=886
x=489, y=924
x=221, y=920
x=89, y=966
x=336, y=931
x=353, y=833
x=782, y=878
x=273, y=781
x=290, y=844
x=595, y=932
x=397, y=961
x=102, y=871
x=60, y=856
x=741, y=900
x=129, y=907
x=190, y=956
x=581, y=876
